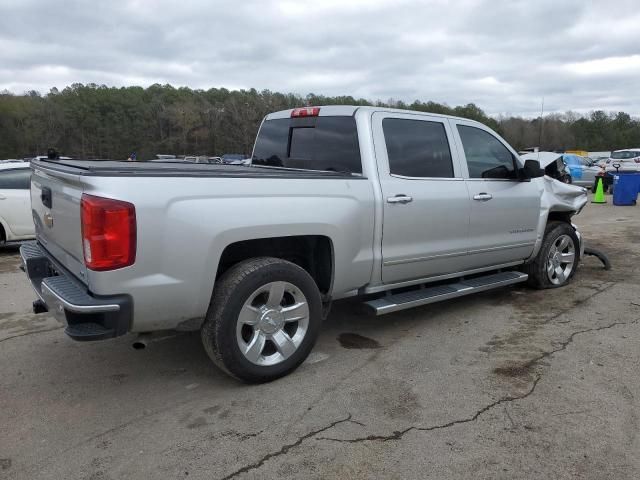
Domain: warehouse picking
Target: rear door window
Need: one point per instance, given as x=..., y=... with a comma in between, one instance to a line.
x=15, y=179
x=311, y=143
x=486, y=156
x=417, y=148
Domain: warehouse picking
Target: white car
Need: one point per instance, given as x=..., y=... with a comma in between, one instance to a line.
x=16, y=221
x=627, y=160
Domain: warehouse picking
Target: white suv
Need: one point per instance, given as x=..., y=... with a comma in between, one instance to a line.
x=626, y=160
x=16, y=221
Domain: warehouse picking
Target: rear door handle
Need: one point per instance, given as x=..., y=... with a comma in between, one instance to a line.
x=400, y=199
x=483, y=197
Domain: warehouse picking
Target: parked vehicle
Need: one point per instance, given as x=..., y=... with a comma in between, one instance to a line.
x=620, y=161
x=44, y=157
x=234, y=159
x=599, y=161
x=579, y=153
x=16, y=222
x=624, y=160
x=582, y=170
x=340, y=201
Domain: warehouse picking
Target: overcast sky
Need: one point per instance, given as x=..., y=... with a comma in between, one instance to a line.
x=503, y=56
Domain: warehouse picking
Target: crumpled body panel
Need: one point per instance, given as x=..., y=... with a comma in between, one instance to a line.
x=560, y=197
x=556, y=196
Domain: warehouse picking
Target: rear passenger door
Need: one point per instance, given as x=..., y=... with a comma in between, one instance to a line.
x=504, y=210
x=426, y=203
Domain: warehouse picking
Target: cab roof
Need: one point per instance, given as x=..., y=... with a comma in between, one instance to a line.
x=350, y=110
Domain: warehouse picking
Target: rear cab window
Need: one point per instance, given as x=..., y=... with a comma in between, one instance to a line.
x=309, y=143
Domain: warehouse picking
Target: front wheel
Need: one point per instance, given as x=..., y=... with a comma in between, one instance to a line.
x=557, y=261
x=263, y=320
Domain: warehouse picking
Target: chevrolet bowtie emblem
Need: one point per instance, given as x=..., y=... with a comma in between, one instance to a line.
x=48, y=220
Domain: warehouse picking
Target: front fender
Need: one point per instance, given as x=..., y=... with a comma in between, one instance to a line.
x=558, y=197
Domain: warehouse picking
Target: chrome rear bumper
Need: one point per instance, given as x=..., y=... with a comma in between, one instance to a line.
x=86, y=316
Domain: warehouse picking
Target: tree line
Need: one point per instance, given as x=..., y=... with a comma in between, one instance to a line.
x=96, y=121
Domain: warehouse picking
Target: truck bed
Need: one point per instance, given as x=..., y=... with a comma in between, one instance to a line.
x=114, y=168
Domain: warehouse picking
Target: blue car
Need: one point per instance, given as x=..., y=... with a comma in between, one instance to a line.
x=582, y=170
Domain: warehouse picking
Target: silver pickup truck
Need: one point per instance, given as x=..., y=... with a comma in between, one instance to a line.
x=399, y=208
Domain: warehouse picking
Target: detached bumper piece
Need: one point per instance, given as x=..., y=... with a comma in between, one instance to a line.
x=86, y=317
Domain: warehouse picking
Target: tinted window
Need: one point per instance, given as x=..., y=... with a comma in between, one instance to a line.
x=302, y=143
x=316, y=143
x=624, y=155
x=15, y=179
x=486, y=156
x=417, y=148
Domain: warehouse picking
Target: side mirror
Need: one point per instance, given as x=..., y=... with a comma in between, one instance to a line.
x=531, y=170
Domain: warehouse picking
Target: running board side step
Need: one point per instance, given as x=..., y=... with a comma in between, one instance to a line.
x=424, y=296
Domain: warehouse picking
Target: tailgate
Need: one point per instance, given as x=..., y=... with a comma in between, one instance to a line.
x=55, y=204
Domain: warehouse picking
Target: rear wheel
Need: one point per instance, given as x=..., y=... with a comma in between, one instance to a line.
x=557, y=260
x=263, y=319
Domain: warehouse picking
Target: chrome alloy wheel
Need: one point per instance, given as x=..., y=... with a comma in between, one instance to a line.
x=272, y=323
x=561, y=260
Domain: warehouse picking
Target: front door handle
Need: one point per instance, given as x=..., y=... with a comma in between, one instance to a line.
x=2, y=197
x=483, y=197
x=400, y=199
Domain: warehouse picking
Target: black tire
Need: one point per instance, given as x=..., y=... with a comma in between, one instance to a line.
x=231, y=292
x=537, y=269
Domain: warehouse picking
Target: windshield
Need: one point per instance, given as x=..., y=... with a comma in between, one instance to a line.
x=625, y=155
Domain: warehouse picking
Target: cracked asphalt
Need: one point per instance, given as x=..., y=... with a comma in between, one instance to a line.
x=506, y=384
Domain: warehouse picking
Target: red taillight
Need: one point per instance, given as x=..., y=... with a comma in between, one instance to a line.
x=637, y=160
x=305, y=112
x=108, y=233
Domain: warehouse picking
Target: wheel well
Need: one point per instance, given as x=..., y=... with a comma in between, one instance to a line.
x=559, y=217
x=314, y=253
x=3, y=235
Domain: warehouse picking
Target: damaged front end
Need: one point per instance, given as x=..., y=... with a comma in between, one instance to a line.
x=561, y=201
x=558, y=199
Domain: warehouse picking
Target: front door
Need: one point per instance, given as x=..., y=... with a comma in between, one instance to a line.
x=504, y=210
x=426, y=203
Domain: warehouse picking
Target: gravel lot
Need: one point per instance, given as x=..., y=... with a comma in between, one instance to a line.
x=507, y=384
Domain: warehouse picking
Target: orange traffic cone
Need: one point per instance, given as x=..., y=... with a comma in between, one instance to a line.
x=598, y=197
